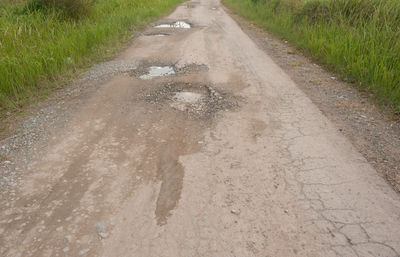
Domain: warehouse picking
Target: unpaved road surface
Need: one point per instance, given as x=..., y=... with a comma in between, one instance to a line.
x=226, y=157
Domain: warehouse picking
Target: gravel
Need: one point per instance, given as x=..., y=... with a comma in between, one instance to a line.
x=28, y=135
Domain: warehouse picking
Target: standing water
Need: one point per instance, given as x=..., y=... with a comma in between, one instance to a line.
x=157, y=71
x=178, y=25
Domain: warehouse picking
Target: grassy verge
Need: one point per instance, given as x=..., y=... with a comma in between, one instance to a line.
x=39, y=48
x=358, y=39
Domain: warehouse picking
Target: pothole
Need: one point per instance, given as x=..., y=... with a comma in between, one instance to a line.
x=175, y=25
x=158, y=71
x=152, y=71
x=197, y=101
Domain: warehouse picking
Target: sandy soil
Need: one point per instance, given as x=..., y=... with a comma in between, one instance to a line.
x=227, y=157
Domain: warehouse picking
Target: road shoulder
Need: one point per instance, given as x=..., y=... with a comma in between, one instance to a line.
x=374, y=133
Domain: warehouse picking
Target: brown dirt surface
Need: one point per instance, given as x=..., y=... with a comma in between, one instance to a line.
x=373, y=132
x=227, y=157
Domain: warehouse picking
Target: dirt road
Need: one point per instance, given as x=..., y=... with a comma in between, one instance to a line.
x=223, y=155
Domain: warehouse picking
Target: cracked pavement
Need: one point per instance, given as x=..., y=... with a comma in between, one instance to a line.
x=266, y=174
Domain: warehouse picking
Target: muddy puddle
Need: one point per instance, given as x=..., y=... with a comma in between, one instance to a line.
x=175, y=25
x=158, y=71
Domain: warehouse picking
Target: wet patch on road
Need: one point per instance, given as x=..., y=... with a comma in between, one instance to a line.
x=185, y=110
x=171, y=173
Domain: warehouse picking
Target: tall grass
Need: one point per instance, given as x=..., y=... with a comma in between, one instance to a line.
x=73, y=9
x=37, y=46
x=359, y=39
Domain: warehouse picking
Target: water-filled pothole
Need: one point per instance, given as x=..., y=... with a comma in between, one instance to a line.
x=155, y=70
x=175, y=25
x=158, y=71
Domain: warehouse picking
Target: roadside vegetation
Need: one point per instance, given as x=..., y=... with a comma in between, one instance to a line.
x=358, y=39
x=42, y=41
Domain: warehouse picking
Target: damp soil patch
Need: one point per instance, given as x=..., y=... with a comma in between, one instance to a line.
x=197, y=101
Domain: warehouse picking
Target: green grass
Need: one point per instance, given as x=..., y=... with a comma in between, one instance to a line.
x=38, y=49
x=358, y=39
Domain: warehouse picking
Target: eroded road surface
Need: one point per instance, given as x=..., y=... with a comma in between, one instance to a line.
x=194, y=143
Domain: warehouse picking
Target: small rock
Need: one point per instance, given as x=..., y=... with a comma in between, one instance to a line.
x=60, y=229
x=236, y=212
x=286, y=211
x=66, y=249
